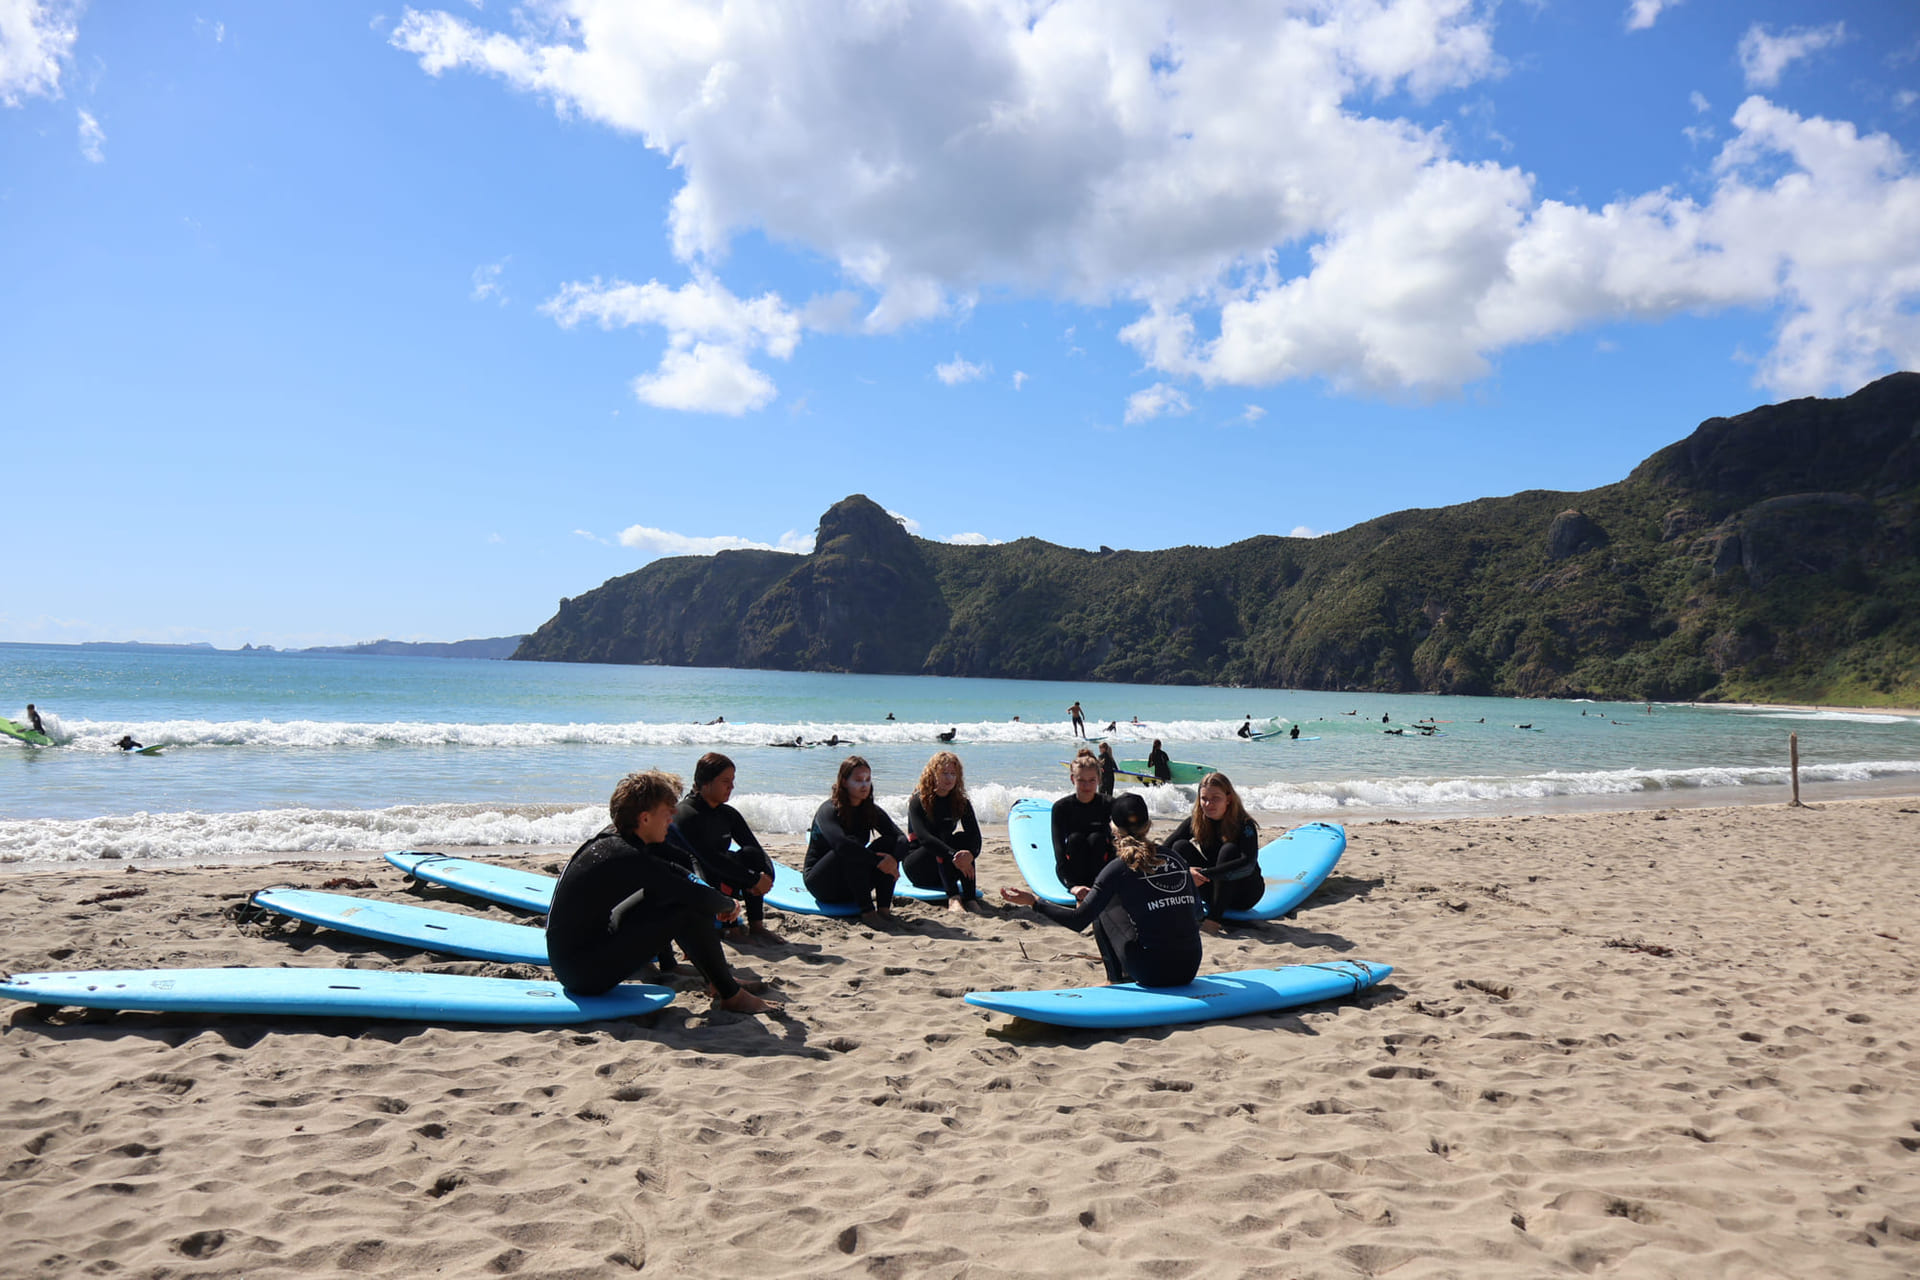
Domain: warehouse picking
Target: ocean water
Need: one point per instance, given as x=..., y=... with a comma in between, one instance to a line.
x=268, y=752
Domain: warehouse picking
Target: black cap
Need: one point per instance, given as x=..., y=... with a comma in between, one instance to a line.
x=1130, y=813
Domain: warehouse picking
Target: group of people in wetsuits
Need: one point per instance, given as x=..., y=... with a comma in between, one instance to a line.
x=670, y=866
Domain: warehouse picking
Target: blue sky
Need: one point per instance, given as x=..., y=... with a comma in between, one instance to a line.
x=323, y=323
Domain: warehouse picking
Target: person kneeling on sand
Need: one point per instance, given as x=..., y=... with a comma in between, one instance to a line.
x=619, y=902
x=1141, y=906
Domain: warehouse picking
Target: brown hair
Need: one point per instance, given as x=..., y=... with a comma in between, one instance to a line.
x=1084, y=759
x=637, y=793
x=839, y=793
x=925, y=787
x=1232, y=822
x=705, y=770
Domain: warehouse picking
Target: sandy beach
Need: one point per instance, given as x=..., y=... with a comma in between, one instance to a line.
x=1653, y=1043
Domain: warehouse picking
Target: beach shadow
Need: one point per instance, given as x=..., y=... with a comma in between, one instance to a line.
x=1338, y=889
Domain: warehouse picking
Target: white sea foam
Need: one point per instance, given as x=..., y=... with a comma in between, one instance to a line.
x=1851, y=717
x=100, y=735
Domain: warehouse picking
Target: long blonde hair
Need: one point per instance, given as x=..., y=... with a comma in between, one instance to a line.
x=1232, y=822
x=1140, y=854
x=925, y=788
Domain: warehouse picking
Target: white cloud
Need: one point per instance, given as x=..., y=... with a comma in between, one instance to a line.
x=1641, y=14
x=591, y=536
x=36, y=43
x=1019, y=379
x=1302, y=531
x=93, y=139
x=1169, y=157
x=486, y=281
x=908, y=522
x=973, y=540
x=495, y=538
x=957, y=370
x=1252, y=413
x=659, y=542
x=710, y=336
x=1699, y=102
x=1152, y=402
x=1763, y=56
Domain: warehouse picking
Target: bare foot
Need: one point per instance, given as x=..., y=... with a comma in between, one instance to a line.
x=954, y=904
x=744, y=1001
x=876, y=919
x=1213, y=926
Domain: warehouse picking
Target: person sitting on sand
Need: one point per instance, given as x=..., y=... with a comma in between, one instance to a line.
x=618, y=904
x=1082, y=839
x=944, y=832
x=712, y=827
x=1158, y=762
x=127, y=743
x=854, y=848
x=1108, y=767
x=1222, y=845
x=1141, y=906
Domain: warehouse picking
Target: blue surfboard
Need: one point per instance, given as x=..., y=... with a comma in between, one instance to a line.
x=1030, y=830
x=528, y=890
x=445, y=932
x=1293, y=867
x=1219, y=995
x=335, y=993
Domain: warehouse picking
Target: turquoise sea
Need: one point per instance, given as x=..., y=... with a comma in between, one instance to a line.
x=272, y=752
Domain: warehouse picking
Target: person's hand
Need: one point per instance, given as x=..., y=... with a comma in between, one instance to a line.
x=1199, y=876
x=963, y=863
x=1081, y=892
x=1018, y=897
x=732, y=911
x=889, y=866
x=762, y=885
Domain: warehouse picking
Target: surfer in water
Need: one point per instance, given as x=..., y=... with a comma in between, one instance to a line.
x=1079, y=719
x=619, y=903
x=1158, y=762
x=1222, y=844
x=944, y=832
x=949, y=735
x=1246, y=730
x=127, y=743
x=34, y=717
x=1294, y=732
x=853, y=847
x=1141, y=906
x=713, y=827
x=1108, y=767
x=1082, y=836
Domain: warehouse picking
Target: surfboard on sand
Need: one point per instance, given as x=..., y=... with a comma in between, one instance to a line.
x=32, y=737
x=335, y=993
x=1030, y=829
x=1219, y=995
x=528, y=890
x=424, y=928
x=1294, y=865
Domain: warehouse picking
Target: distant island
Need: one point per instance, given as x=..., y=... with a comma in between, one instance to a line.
x=1773, y=556
x=498, y=648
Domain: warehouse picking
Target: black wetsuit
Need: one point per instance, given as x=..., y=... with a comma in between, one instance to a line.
x=710, y=830
x=35, y=717
x=1161, y=766
x=844, y=852
x=1107, y=766
x=1294, y=732
x=1144, y=925
x=1232, y=866
x=619, y=904
x=1082, y=841
x=1246, y=730
x=937, y=837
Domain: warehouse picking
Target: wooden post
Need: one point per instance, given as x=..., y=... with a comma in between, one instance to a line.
x=1793, y=759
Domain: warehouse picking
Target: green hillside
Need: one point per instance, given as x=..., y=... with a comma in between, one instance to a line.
x=1768, y=556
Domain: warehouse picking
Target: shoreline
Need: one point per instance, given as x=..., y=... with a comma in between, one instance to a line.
x=1657, y=1042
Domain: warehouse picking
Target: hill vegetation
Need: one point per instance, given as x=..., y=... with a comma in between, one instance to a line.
x=1770, y=556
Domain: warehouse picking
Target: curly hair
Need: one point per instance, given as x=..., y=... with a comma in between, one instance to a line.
x=637, y=793
x=925, y=788
x=1232, y=822
x=841, y=805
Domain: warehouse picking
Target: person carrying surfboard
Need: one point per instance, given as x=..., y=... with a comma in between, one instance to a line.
x=853, y=847
x=729, y=855
x=1220, y=841
x=944, y=832
x=1082, y=838
x=619, y=903
x=1141, y=906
